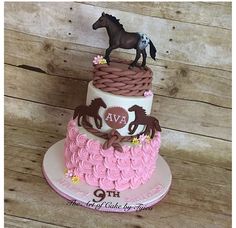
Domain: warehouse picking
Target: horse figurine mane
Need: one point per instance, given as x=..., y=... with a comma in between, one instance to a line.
x=115, y=20
x=119, y=38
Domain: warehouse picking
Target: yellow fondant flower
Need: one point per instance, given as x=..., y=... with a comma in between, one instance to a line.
x=148, y=139
x=65, y=171
x=102, y=61
x=75, y=179
x=135, y=141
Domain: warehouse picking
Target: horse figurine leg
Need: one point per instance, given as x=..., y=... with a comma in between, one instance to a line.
x=108, y=52
x=138, y=55
x=144, y=54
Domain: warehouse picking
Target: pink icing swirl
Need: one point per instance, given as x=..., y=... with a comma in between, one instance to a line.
x=113, y=174
x=90, y=179
x=93, y=145
x=81, y=140
x=86, y=167
x=122, y=184
x=109, y=169
x=83, y=154
x=135, y=182
x=127, y=174
x=99, y=171
x=95, y=159
x=106, y=184
x=110, y=162
x=123, y=164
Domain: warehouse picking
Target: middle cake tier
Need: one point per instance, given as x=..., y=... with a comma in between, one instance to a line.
x=116, y=111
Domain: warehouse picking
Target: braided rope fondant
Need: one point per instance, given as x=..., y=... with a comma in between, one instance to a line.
x=113, y=138
x=125, y=82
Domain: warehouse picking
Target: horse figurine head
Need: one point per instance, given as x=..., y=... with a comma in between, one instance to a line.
x=119, y=38
x=102, y=22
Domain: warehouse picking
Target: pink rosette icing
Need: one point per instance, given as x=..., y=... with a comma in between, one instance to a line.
x=108, y=152
x=74, y=159
x=93, y=145
x=73, y=147
x=125, y=154
x=135, y=182
x=72, y=133
x=110, y=169
x=136, y=151
x=95, y=159
x=90, y=179
x=83, y=154
x=127, y=174
x=106, y=184
x=69, y=165
x=137, y=163
x=113, y=174
x=122, y=184
x=81, y=140
x=85, y=166
x=99, y=171
x=110, y=162
x=123, y=164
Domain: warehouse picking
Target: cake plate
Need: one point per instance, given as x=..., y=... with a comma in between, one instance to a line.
x=82, y=194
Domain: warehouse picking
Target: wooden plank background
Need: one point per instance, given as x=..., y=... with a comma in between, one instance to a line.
x=49, y=49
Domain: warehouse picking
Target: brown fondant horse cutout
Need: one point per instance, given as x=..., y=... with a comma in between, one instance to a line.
x=119, y=38
x=92, y=110
x=141, y=118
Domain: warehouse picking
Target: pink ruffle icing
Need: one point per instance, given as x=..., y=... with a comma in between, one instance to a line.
x=109, y=169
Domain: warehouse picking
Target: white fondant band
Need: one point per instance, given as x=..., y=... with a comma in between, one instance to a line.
x=125, y=102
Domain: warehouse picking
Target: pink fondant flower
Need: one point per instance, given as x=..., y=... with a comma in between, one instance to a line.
x=69, y=173
x=99, y=60
x=142, y=138
x=148, y=93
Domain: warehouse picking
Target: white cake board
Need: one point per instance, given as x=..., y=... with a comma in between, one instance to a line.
x=82, y=194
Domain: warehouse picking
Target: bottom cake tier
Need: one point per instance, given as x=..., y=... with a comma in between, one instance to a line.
x=109, y=169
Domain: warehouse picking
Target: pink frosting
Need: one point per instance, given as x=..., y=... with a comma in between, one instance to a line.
x=109, y=169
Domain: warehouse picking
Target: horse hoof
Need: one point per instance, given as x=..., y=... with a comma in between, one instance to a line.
x=131, y=67
x=142, y=67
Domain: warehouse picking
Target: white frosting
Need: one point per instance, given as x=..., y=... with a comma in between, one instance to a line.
x=125, y=102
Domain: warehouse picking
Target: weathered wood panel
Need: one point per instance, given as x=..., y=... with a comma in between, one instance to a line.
x=204, y=46
x=202, y=118
x=53, y=90
x=71, y=60
x=165, y=215
x=203, y=13
x=175, y=144
x=15, y=221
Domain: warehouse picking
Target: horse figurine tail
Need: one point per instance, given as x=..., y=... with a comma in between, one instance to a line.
x=153, y=50
x=157, y=126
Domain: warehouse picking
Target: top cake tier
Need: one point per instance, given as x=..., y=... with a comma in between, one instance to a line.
x=123, y=95
x=117, y=79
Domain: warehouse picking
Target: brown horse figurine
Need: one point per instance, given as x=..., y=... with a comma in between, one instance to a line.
x=92, y=110
x=119, y=38
x=141, y=118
